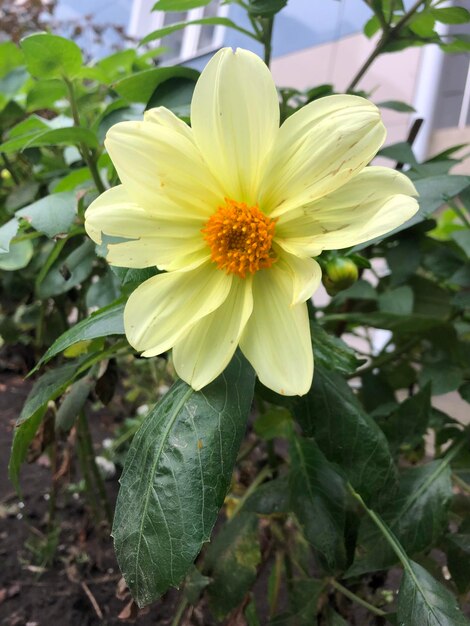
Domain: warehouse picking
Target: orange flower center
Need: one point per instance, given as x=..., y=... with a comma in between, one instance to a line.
x=240, y=238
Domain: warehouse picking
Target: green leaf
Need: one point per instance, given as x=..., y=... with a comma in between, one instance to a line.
x=140, y=86
x=173, y=28
x=45, y=94
x=73, y=403
x=409, y=422
x=265, y=8
x=52, y=215
x=400, y=152
x=422, y=600
x=458, y=560
x=51, y=56
x=398, y=301
x=269, y=498
x=10, y=57
x=276, y=422
x=371, y=26
x=7, y=232
x=231, y=561
x=332, y=353
x=51, y=385
x=423, y=24
x=69, y=272
x=333, y=618
x=102, y=323
x=346, y=434
x=179, y=5
x=317, y=497
x=37, y=135
x=175, y=479
x=133, y=276
x=396, y=105
x=417, y=516
x=451, y=15
x=19, y=256
x=304, y=597
x=462, y=239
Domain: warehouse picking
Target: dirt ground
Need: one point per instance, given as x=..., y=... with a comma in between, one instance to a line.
x=82, y=587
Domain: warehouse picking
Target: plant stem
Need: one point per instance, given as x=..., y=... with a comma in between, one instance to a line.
x=90, y=458
x=267, y=39
x=352, y=596
x=388, y=357
x=265, y=472
x=387, y=36
x=88, y=155
x=461, y=484
x=9, y=167
x=179, y=611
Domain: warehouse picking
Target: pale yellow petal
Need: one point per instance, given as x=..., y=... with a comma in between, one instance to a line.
x=276, y=339
x=152, y=242
x=373, y=203
x=161, y=310
x=164, y=117
x=163, y=171
x=207, y=348
x=318, y=149
x=235, y=119
x=305, y=274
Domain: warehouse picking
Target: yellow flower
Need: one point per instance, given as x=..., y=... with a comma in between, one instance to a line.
x=232, y=209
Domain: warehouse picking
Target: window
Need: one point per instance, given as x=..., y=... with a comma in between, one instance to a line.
x=183, y=44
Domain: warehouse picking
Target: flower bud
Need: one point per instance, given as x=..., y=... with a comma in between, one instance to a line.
x=339, y=273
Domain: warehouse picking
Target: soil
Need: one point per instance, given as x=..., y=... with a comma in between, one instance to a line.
x=83, y=586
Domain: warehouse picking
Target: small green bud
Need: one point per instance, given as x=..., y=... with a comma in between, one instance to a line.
x=339, y=274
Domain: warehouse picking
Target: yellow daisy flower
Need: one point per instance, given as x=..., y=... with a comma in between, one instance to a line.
x=233, y=209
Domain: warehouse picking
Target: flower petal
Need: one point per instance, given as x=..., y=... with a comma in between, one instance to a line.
x=318, y=149
x=162, y=170
x=164, y=117
x=161, y=310
x=373, y=203
x=206, y=350
x=153, y=241
x=305, y=274
x=235, y=119
x=276, y=339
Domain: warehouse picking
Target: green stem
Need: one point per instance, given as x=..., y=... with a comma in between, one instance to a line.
x=354, y=598
x=461, y=484
x=179, y=611
x=388, y=357
x=267, y=39
x=84, y=466
x=265, y=472
x=460, y=213
x=387, y=36
x=90, y=457
x=88, y=155
x=9, y=167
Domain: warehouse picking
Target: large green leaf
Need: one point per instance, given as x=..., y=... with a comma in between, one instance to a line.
x=318, y=497
x=424, y=601
x=175, y=479
x=346, y=434
x=417, y=516
x=51, y=56
x=102, y=323
x=458, y=559
x=140, y=86
x=231, y=562
x=52, y=215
